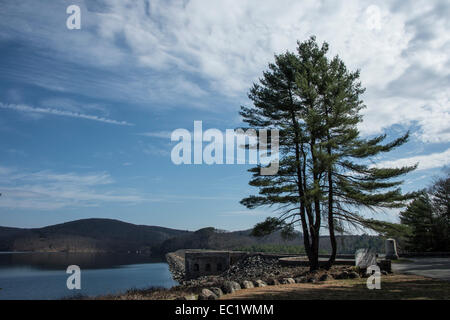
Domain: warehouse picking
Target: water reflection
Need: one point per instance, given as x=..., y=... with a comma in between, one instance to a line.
x=43, y=275
x=58, y=260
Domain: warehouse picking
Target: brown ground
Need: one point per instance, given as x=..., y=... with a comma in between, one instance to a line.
x=393, y=287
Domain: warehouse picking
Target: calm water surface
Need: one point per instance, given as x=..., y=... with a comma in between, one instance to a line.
x=43, y=275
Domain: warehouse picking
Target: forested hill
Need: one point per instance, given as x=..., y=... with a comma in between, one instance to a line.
x=107, y=235
x=88, y=235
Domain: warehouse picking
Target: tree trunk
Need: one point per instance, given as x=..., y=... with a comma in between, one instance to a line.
x=310, y=247
x=314, y=261
x=332, y=258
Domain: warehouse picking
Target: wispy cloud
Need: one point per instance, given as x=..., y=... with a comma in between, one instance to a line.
x=48, y=190
x=63, y=113
x=430, y=161
x=179, y=51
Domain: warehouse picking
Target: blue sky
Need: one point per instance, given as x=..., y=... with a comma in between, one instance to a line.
x=85, y=115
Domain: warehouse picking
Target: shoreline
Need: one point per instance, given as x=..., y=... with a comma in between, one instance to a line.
x=251, y=272
x=258, y=277
x=175, y=261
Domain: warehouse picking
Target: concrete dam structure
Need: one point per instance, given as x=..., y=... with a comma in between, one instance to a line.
x=210, y=262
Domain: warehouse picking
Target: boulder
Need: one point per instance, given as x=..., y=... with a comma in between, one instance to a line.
x=287, y=281
x=312, y=280
x=301, y=280
x=273, y=282
x=260, y=283
x=365, y=258
x=385, y=265
x=217, y=291
x=247, y=284
x=207, y=294
x=325, y=277
x=391, y=249
x=230, y=287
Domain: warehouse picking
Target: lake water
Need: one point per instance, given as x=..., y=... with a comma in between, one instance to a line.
x=43, y=275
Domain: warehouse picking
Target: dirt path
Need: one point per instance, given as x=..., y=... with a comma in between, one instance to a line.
x=392, y=287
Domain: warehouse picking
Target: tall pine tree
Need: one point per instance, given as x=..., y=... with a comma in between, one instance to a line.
x=428, y=218
x=419, y=217
x=314, y=102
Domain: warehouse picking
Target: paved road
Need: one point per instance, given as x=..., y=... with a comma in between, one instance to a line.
x=438, y=268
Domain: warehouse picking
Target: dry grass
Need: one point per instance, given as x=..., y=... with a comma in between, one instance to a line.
x=393, y=287
x=147, y=294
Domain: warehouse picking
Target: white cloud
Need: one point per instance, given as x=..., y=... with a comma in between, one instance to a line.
x=430, y=161
x=229, y=43
x=48, y=190
x=74, y=106
x=431, y=116
x=170, y=50
x=58, y=112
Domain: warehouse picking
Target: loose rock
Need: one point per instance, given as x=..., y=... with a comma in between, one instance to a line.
x=301, y=280
x=325, y=277
x=312, y=280
x=287, y=281
x=230, y=287
x=273, y=282
x=217, y=291
x=260, y=283
x=207, y=294
x=247, y=284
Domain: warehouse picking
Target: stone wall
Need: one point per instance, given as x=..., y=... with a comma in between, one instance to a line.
x=201, y=263
x=214, y=262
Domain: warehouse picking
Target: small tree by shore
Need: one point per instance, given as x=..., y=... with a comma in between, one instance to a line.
x=428, y=219
x=324, y=177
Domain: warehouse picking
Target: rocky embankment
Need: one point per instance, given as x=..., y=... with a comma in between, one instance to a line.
x=253, y=271
x=175, y=260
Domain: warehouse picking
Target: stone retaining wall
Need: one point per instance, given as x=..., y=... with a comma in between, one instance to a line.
x=213, y=262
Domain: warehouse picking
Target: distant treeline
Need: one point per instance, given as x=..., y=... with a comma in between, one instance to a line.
x=106, y=235
x=346, y=245
x=273, y=248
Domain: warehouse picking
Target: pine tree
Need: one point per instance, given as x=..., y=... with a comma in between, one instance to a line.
x=428, y=218
x=419, y=217
x=315, y=102
x=440, y=194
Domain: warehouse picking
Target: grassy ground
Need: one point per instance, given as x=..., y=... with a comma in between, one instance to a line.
x=393, y=287
x=148, y=294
